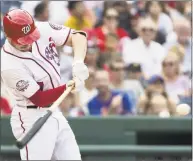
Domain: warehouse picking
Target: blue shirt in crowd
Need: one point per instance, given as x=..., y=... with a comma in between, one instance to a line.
x=95, y=106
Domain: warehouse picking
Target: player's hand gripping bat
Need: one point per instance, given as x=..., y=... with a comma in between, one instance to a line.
x=21, y=142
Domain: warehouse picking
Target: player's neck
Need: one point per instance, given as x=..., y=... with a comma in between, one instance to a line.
x=15, y=46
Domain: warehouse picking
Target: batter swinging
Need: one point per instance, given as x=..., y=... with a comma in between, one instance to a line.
x=30, y=70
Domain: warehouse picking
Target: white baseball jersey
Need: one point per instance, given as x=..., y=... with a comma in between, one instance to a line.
x=23, y=72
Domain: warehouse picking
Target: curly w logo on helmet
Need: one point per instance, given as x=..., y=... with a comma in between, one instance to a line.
x=26, y=29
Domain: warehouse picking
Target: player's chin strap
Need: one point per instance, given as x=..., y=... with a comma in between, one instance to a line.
x=79, y=32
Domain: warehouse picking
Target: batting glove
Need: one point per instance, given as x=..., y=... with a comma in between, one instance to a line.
x=80, y=71
x=79, y=85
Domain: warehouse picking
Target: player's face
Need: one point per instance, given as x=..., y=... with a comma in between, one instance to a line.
x=19, y=47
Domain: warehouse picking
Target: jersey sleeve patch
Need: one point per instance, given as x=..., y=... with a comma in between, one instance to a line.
x=22, y=85
x=55, y=26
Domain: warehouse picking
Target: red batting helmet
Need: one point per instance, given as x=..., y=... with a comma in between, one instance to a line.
x=19, y=27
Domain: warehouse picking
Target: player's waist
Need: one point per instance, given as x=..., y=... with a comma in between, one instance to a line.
x=36, y=107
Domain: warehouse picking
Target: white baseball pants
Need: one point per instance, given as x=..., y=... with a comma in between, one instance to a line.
x=54, y=141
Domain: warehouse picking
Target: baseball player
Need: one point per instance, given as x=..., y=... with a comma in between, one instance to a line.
x=30, y=71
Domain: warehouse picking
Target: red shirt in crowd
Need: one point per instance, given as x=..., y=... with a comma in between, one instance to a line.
x=5, y=107
x=101, y=36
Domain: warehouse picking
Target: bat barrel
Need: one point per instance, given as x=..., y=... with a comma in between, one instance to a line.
x=20, y=143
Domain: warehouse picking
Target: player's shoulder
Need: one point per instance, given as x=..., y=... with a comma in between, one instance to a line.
x=42, y=25
x=48, y=25
x=44, y=29
x=8, y=61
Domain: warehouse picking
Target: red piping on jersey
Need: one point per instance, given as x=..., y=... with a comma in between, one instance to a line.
x=67, y=37
x=45, y=98
x=27, y=152
x=46, y=59
x=21, y=123
x=26, y=148
x=33, y=61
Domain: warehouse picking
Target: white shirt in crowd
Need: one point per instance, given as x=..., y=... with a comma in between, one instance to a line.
x=150, y=57
x=165, y=23
x=29, y=6
x=58, y=10
x=65, y=68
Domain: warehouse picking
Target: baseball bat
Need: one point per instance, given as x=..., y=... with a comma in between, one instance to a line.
x=22, y=142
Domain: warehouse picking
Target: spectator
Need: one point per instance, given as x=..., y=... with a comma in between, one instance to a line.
x=5, y=106
x=155, y=10
x=134, y=79
x=124, y=14
x=134, y=71
x=134, y=21
x=132, y=87
x=90, y=14
x=9, y=5
x=108, y=102
x=65, y=67
x=89, y=91
x=179, y=9
x=111, y=45
x=58, y=12
x=176, y=83
x=134, y=32
x=182, y=36
x=140, y=8
x=77, y=18
x=29, y=6
x=2, y=34
x=155, y=101
x=92, y=56
x=181, y=6
x=69, y=107
x=110, y=25
x=172, y=11
x=117, y=75
x=41, y=12
x=96, y=7
x=188, y=10
x=111, y=52
x=144, y=51
x=179, y=51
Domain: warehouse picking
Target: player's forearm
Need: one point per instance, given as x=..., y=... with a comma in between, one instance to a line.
x=45, y=98
x=79, y=44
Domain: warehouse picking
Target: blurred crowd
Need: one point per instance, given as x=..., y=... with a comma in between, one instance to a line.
x=139, y=55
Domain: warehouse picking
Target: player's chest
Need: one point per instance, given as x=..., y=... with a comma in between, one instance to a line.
x=43, y=63
x=45, y=50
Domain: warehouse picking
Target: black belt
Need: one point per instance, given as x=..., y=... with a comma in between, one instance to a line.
x=35, y=107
